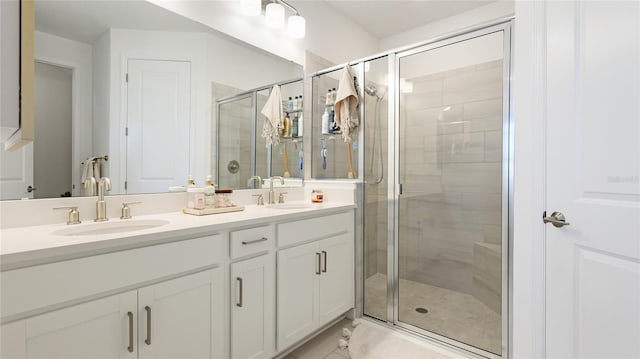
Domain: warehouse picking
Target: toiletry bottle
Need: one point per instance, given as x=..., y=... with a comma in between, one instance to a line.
x=209, y=192
x=286, y=126
x=300, y=102
x=300, y=125
x=334, y=95
x=294, y=126
x=290, y=104
x=191, y=182
x=332, y=123
x=328, y=98
x=325, y=122
x=295, y=103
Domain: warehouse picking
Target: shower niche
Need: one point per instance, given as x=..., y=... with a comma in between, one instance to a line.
x=332, y=157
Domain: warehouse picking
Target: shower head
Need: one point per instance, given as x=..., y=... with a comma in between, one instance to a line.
x=371, y=90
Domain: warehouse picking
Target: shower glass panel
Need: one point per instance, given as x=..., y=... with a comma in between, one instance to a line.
x=376, y=203
x=234, y=148
x=262, y=151
x=450, y=209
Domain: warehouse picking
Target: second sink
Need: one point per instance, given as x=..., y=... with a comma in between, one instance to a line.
x=111, y=227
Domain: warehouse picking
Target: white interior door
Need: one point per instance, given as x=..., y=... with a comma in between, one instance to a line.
x=158, y=122
x=16, y=173
x=593, y=171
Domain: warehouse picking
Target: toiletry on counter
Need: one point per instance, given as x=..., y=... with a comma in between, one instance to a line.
x=191, y=182
x=209, y=192
x=195, y=198
x=223, y=198
x=317, y=196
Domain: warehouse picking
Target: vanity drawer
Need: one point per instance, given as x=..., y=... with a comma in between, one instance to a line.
x=252, y=240
x=315, y=228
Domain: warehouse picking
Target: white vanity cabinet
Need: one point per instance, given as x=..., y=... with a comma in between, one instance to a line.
x=179, y=314
x=315, y=279
x=253, y=293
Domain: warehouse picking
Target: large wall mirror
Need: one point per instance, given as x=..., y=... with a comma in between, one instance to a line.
x=129, y=90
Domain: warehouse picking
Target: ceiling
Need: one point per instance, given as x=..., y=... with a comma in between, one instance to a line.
x=384, y=18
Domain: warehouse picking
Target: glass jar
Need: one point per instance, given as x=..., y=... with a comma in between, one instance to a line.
x=195, y=198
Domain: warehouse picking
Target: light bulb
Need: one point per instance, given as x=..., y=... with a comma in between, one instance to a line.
x=275, y=15
x=296, y=27
x=251, y=7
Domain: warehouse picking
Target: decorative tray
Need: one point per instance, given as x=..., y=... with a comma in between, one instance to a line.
x=206, y=211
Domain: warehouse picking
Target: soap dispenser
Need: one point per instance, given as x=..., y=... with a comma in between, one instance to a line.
x=325, y=122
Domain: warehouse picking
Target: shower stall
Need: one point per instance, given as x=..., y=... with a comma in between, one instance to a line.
x=435, y=170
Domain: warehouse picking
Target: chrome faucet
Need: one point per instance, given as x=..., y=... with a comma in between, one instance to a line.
x=104, y=184
x=90, y=186
x=272, y=199
x=255, y=178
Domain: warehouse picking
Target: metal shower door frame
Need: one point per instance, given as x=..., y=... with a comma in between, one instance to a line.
x=395, y=187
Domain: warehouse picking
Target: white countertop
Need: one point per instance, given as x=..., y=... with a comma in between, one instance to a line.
x=33, y=245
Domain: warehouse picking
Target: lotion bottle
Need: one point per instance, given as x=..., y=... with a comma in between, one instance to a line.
x=325, y=122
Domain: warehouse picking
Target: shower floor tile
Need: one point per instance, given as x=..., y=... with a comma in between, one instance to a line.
x=453, y=314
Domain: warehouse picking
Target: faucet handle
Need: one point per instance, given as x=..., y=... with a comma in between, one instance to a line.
x=260, y=199
x=281, y=197
x=74, y=215
x=125, y=212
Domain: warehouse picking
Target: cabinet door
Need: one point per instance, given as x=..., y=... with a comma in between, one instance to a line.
x=252, y=308
x=177, y=318
x=337, y=278
x=96, y=329
x=298, y=273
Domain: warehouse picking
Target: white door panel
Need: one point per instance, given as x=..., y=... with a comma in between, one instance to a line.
x=158, y=121
x=593, y=171
x=16, y=173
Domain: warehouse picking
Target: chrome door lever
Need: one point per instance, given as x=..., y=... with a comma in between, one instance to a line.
x=557, y=219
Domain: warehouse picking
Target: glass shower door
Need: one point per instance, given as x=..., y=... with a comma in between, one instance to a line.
x=450, y=230
x=235, y=147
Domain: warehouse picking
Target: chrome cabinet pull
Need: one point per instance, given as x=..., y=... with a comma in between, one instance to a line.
x=557, y=219
x=130, y=347
x=319, y=269
x=240, y=294
x=255, y=240
x=324, y=261
x=148, y=340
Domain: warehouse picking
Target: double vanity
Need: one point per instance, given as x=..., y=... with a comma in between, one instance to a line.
x=250, y=284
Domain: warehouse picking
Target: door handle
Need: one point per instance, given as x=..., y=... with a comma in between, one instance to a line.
x=130, y=347
x=324, y=261
x=557, y=219
x=30, y=189
x=148, y=340
x=319, y=266
x=240, y=294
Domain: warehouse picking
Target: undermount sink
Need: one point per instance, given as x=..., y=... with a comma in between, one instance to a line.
x=111, y=227
x=290, y=206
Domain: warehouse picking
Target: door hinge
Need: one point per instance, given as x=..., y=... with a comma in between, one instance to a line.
x=126, y=77
x=125, y=185
x=126, y=131
x=400, y=188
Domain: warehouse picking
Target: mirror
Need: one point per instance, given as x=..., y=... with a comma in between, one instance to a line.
x=126, y=89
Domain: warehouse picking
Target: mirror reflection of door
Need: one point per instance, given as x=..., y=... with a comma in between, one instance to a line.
x=158, y=122
x=43, y=169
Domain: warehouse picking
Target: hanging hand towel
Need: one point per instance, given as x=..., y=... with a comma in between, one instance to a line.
x=273, y=113
x=346, y=106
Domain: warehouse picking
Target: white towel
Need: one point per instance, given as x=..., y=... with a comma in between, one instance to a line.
x=346, y=107
x=274, y=114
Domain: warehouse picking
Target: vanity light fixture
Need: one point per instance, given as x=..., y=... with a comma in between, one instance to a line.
x=275, y=15
x=251, y=7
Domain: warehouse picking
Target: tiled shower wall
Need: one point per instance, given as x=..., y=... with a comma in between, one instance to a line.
x=451, y=158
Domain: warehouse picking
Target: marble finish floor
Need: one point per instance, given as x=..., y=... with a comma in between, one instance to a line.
x=452, y=314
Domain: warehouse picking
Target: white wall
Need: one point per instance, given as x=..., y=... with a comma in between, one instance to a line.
x=76, y=56
x=464, y=20
x=325, y=29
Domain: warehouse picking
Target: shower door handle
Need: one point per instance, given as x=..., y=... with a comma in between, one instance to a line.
x=399, y=188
